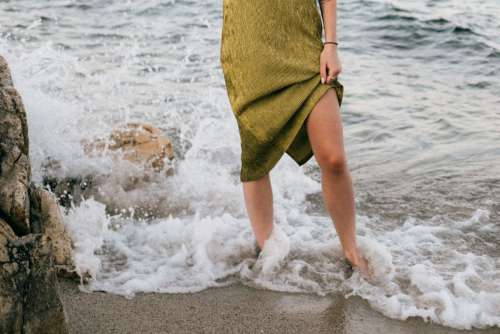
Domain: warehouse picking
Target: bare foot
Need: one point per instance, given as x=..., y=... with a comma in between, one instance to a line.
x=361, y=264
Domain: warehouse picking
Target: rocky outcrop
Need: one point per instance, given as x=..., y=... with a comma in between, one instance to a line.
x=47, y=219
x=33, y=242
x=14, y=162
x=10, y=300
x=29, y=300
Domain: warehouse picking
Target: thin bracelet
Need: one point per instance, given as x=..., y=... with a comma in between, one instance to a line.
x=336, y=43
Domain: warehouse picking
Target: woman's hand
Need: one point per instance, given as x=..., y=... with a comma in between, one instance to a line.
x=330, y=66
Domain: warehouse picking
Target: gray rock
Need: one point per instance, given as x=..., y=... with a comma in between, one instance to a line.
x=32, y=236
x=5, y=77
x=42, y=308
x=15, y=170
x=46, y=218
x=11, y=301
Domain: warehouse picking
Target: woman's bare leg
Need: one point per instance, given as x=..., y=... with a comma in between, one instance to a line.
x=258, y=196
x=324, y=128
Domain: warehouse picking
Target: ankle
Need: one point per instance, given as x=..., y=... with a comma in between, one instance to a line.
x=262, y=237
x=353, y=256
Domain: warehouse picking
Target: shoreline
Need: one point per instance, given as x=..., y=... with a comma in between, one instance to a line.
x=237, y=309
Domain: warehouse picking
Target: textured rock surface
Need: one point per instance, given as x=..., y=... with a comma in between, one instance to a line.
x=42, y=309
x=139, y=143
x=73, y=190
x=15, y=169
x=32, y=234
x=11, y=301
x=46, y=218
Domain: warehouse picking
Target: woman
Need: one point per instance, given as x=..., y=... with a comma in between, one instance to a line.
x=281, y=80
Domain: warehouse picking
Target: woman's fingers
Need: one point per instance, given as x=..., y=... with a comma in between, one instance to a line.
x=328, y=71
x=331, y=73
x=322, y=71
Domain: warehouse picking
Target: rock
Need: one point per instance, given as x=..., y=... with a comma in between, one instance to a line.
x=31, y=232
x=11, y=301
x=15, y=170
x=6, y=236
x=139, y=143
x=29, y=300
x=70, y=191
x=42, y=310
x=5, y=77
x=47, y=219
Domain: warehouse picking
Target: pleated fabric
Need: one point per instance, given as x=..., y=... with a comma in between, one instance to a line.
x=270, y=57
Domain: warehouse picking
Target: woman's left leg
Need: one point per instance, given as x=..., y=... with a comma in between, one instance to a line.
x=324, y=129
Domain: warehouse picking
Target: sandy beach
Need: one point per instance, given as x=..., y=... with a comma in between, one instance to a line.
x=235, y=309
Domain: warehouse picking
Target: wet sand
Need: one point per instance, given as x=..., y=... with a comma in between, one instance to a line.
x=235, y=309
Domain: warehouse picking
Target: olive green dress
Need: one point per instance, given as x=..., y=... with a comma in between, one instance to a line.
x=270, y=57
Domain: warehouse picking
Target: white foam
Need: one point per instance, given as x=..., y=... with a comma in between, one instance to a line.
x=274, y=252
x=87, y=225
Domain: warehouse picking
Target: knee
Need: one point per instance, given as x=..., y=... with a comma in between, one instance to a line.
x=333, y=163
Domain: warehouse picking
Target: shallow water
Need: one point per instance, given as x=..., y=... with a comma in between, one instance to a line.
x=421, y=118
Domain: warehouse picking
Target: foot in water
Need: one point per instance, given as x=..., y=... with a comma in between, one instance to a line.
x=359, y=262
x=257, y=249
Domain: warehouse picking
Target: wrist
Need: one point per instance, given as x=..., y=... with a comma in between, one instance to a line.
x=331, y=48
x=330, y=42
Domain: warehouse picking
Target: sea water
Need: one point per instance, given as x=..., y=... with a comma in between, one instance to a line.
x=421, y=126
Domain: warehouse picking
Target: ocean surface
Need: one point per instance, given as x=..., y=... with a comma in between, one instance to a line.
x=421, y=116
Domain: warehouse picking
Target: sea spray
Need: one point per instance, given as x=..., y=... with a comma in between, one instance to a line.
x=87, y=225
x=274, y=252
x=379, y=260
x=271, y=258
x=450, y=287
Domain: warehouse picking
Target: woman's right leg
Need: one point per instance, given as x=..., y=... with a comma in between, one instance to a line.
x=324, y=128
x=258, y=196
